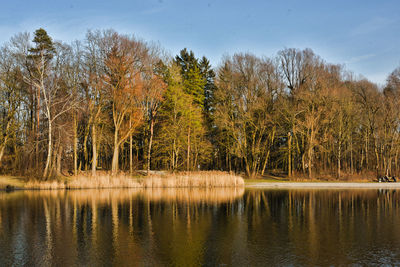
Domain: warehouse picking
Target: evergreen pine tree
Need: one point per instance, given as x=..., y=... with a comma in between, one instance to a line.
x=44, y=46
x=193, y=79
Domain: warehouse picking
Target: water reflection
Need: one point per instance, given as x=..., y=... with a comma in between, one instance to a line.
x=200, y=227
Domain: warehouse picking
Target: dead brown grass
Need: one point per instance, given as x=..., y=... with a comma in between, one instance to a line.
x=179, y=180
x=327, y=177
x=194, y=179
x=14, y=181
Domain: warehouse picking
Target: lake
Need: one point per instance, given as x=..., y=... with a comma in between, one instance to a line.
x=193, y=227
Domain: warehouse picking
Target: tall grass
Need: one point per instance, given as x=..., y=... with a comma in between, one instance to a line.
x=180, y=180
x=194, y=179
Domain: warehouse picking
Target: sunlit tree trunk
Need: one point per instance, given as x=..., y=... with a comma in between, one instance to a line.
x=351, y=156
x=377, y=156
x=149, y=147
x=75, y=145
x=366, y=150
x=130, y=155
x=396, y=167
x=130, y=149
x=339, y=159
x=289, y=154
x=311, y=152
x=59, y=159
x=188, y=150
x=173, y=155
x=114, y=166
x=3, y=145
x=37, y=158
x=85, y=149
x=94, y=150
x=50, y=145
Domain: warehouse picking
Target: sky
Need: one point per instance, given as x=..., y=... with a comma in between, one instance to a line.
x=362, y=35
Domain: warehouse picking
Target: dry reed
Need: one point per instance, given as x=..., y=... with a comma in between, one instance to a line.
x=207, y=179
x=194, y=179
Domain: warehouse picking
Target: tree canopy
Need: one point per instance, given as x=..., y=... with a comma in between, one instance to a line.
x=115, y=102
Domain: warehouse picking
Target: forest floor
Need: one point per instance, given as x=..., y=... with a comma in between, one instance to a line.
x=281, y=181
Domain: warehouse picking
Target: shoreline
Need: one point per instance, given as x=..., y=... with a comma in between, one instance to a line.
x=324, y=185
x=205, y=179
x=260, y=185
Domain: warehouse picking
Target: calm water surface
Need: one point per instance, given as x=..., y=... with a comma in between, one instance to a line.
x=225, y=227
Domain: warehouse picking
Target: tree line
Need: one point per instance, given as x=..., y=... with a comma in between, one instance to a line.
x=114, y=102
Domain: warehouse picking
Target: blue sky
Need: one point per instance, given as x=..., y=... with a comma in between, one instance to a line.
x=363, y=35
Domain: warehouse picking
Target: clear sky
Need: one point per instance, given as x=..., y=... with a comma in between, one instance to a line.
x=364, y=35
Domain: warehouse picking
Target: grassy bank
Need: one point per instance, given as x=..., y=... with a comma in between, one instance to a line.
x=11, y=181
x=280, y=177
x=204, y=179
x=323, y=185
x=303, y=180
x=169, y=180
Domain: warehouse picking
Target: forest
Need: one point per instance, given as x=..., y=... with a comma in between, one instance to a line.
x=116, y=103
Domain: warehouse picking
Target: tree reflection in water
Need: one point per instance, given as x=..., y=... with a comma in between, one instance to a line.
x=186, y=227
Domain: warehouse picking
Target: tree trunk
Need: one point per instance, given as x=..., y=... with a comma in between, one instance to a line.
x=32, y=132
x=351, y=156
x=366, y=151
x=75, y=145
x=247, y=168
x=137, y=153
x=188, y=151
x=37, y=128
x=173, y=155
x=230, y=162
x=339, y=159
x=114, y=166
x=58, y=163
x=49, y=150
x=310, y=154
x=130, y=155
x=377, y=156
x=196, y=154
x=18, y=159
x=265, y=162
x=4, y=144
x=309, y=167
x=226, y=161
x=396, y=168
x=94, y=150
x=289, y=154
x=85, y=150
x=130, y=149
x=150, y=143
x=362, y=160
